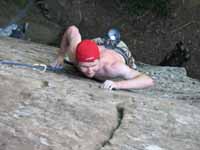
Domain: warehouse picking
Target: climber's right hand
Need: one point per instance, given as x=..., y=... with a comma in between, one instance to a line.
x=58, y=63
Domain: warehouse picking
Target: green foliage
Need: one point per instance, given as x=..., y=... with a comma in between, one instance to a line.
x=138, y=7
x=20, y=3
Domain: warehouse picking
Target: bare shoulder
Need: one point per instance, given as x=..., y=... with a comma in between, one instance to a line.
x=122, y=70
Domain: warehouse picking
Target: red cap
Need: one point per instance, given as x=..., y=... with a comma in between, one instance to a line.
x=87, y=51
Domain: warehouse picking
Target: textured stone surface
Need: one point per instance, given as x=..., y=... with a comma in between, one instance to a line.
x=64, y=111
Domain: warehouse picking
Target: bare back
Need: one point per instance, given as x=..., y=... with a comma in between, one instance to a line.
x=108, y=60
x=107, y=56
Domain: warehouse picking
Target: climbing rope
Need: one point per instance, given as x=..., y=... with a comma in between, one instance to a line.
x=37, y=67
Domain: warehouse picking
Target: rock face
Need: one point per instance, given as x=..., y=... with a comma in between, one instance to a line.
x=64, y=111
x=93, y=17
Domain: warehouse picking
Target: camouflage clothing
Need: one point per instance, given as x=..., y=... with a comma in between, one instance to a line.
x=120, y=48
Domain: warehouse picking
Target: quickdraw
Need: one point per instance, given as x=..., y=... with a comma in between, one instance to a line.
x=37, y=67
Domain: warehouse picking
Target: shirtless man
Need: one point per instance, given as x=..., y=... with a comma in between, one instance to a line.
x=96, y=61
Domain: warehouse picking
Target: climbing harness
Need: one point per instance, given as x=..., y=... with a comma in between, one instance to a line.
x=37, y=67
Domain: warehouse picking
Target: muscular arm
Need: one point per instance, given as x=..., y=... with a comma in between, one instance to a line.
x=133, y=78
x=61, y=53
x=69, y=42
x=63, y=45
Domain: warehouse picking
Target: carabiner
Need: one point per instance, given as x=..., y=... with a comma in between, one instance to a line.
x=40, y=65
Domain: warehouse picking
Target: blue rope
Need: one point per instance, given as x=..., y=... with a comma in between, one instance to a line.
x=40, y=67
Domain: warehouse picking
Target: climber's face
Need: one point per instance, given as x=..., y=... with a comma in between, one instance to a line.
x=89, y=69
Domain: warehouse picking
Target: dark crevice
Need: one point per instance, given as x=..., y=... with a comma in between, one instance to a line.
x=120, y=115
